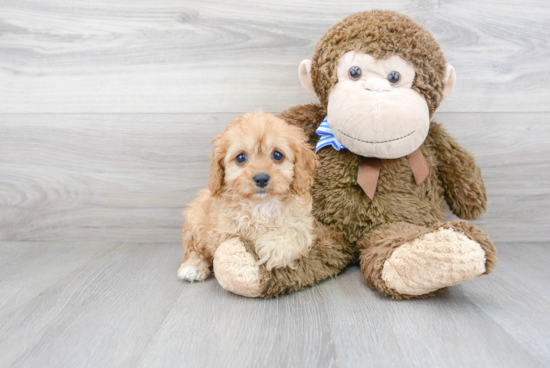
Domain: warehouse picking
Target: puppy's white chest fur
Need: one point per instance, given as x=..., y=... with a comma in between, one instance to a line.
x=280, y=229
x=270, y=212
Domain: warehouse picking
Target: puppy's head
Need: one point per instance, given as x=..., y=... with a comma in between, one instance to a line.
x=260, y=155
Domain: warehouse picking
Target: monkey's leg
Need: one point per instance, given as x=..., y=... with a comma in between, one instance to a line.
x=234, y=262
x=408, y=261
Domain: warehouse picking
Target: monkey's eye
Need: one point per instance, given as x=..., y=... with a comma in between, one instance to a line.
x=394, y=77
x=241, y=158
x=277, y=156
x=355, y=72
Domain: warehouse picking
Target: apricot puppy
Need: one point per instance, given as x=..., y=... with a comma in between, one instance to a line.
x=261, y=173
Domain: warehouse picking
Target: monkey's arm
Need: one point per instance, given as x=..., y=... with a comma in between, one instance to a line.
x=308, y=117
x=236, y=268
x=461, y=177
x=328, y=256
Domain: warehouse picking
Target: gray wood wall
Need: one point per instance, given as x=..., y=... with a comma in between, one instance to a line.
x=107, y=108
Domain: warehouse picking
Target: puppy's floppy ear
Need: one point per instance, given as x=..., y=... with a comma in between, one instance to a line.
x=304, y=167
x=217, y=169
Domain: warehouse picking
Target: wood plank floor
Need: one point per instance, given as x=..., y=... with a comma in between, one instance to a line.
x=121, y=305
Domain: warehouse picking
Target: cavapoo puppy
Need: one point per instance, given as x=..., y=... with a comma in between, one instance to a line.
x=258, y=191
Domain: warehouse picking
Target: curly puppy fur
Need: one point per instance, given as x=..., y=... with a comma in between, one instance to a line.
x=401, y=210
x=276, y=219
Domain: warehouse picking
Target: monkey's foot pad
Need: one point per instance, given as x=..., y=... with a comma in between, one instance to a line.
x=434, y=261
x=236, y=269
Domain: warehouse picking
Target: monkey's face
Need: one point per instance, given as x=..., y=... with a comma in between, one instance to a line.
x=373, y=110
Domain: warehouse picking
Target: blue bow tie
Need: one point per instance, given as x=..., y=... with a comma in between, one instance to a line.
x=327, y=138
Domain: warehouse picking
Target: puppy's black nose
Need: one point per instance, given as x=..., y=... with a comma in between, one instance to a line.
x=261, y=180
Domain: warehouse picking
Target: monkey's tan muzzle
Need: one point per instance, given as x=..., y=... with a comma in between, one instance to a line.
x=377, y=85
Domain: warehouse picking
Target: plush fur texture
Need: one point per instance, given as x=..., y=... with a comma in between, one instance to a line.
x=438, y=259
x=340, y=204
x=236, y=269
x=348, y=222
x=328, y=255
x=371, y=116
x=276, y=218
x=381, y=34
x=378, y=247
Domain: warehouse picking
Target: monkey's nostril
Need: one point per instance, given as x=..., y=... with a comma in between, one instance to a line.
x=261, y=180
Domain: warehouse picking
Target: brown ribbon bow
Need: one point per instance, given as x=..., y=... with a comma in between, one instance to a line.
x=369, y=170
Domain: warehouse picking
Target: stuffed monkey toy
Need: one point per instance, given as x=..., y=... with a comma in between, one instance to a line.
x=386, y=168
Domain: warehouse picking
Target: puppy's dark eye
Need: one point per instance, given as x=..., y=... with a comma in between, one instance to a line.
x=394, y=77
x=355, y=72
x=277, y=156
x=241, y=158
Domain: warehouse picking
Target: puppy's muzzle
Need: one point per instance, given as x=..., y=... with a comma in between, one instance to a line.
x=261, y=180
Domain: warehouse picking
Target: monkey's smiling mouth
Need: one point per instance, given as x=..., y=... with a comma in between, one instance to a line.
x=389, y=140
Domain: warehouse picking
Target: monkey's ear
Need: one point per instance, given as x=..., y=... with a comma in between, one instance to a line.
x=304, y=73
x=450, y=80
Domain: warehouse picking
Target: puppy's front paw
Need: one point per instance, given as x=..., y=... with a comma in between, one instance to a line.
x=236, y=269
x=193, y=271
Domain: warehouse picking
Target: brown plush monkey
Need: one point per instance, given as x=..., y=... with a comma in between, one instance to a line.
x=386, y=168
